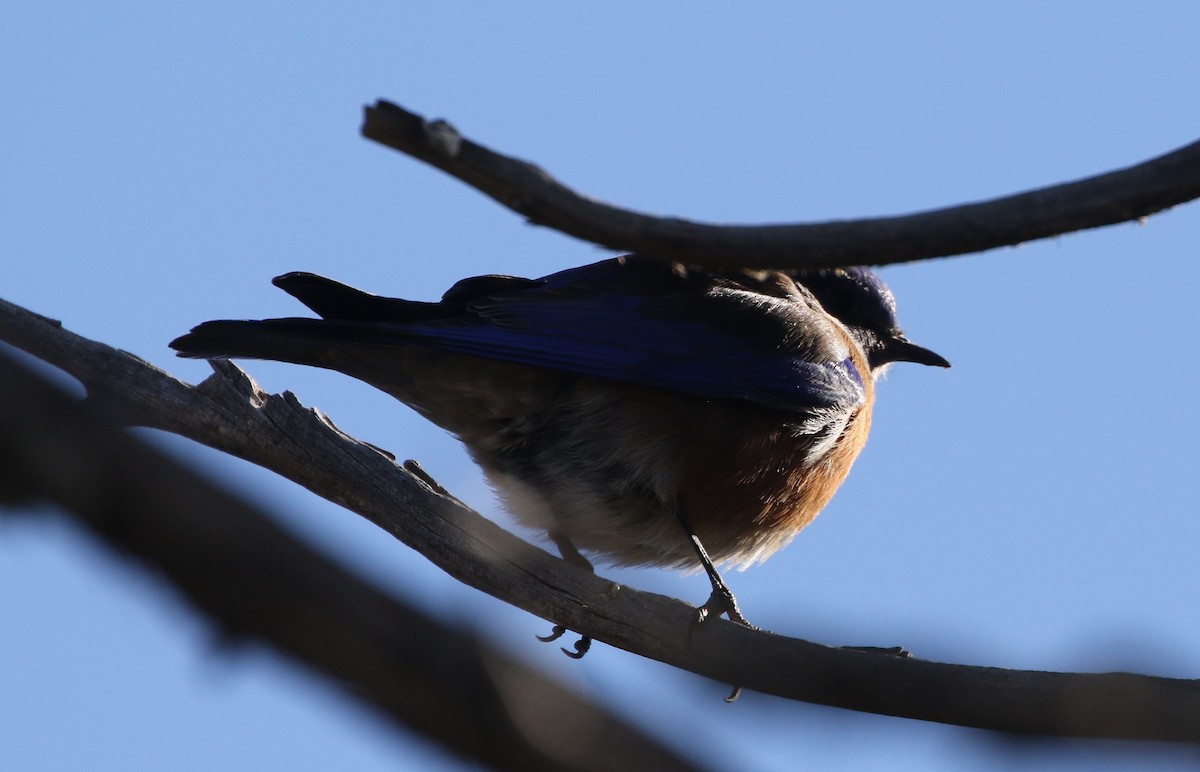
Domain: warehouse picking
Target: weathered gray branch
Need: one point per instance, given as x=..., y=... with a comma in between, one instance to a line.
x=1106, y=199
x=256, y=581
x=229, y=413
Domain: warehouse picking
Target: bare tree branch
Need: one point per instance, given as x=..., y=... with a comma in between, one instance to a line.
x=255, y=580
x=229, y=413
x=1106, y=199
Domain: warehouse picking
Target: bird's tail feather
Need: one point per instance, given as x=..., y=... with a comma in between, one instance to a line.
x=299, y=341
x=459, y=393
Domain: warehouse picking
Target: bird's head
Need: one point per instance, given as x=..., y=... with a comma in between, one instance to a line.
x=860, y=300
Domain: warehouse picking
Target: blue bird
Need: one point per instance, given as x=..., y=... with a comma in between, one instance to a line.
x=647, y=412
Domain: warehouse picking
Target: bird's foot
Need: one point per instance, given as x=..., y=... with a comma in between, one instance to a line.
x=721, y=601
x=581, y=646
x=571, y=555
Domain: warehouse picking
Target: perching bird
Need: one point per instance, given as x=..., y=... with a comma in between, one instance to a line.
x=632, y=408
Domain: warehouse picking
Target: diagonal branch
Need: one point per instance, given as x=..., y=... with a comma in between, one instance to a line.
x=229, y=413
x=256, y=581
x=1106, y=199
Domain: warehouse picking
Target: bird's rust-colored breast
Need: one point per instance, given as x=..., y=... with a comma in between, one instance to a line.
x=750, y=480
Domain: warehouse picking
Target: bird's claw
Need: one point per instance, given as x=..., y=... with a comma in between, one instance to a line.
x=554, y=635
x=582, y=646
x=721, y=601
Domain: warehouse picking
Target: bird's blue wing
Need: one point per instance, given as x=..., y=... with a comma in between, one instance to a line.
x=711, y=343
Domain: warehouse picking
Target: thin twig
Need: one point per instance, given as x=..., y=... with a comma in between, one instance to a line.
x=1106, y=199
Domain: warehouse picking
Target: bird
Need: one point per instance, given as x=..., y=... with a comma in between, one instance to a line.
x=644, y=412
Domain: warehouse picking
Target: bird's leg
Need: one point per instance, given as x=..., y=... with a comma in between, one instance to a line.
x=721, y=601
x=571, y=555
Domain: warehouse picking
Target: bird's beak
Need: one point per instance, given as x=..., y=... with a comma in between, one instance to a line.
x=901, y=350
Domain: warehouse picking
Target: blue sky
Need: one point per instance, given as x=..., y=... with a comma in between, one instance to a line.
x=1034, y=507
